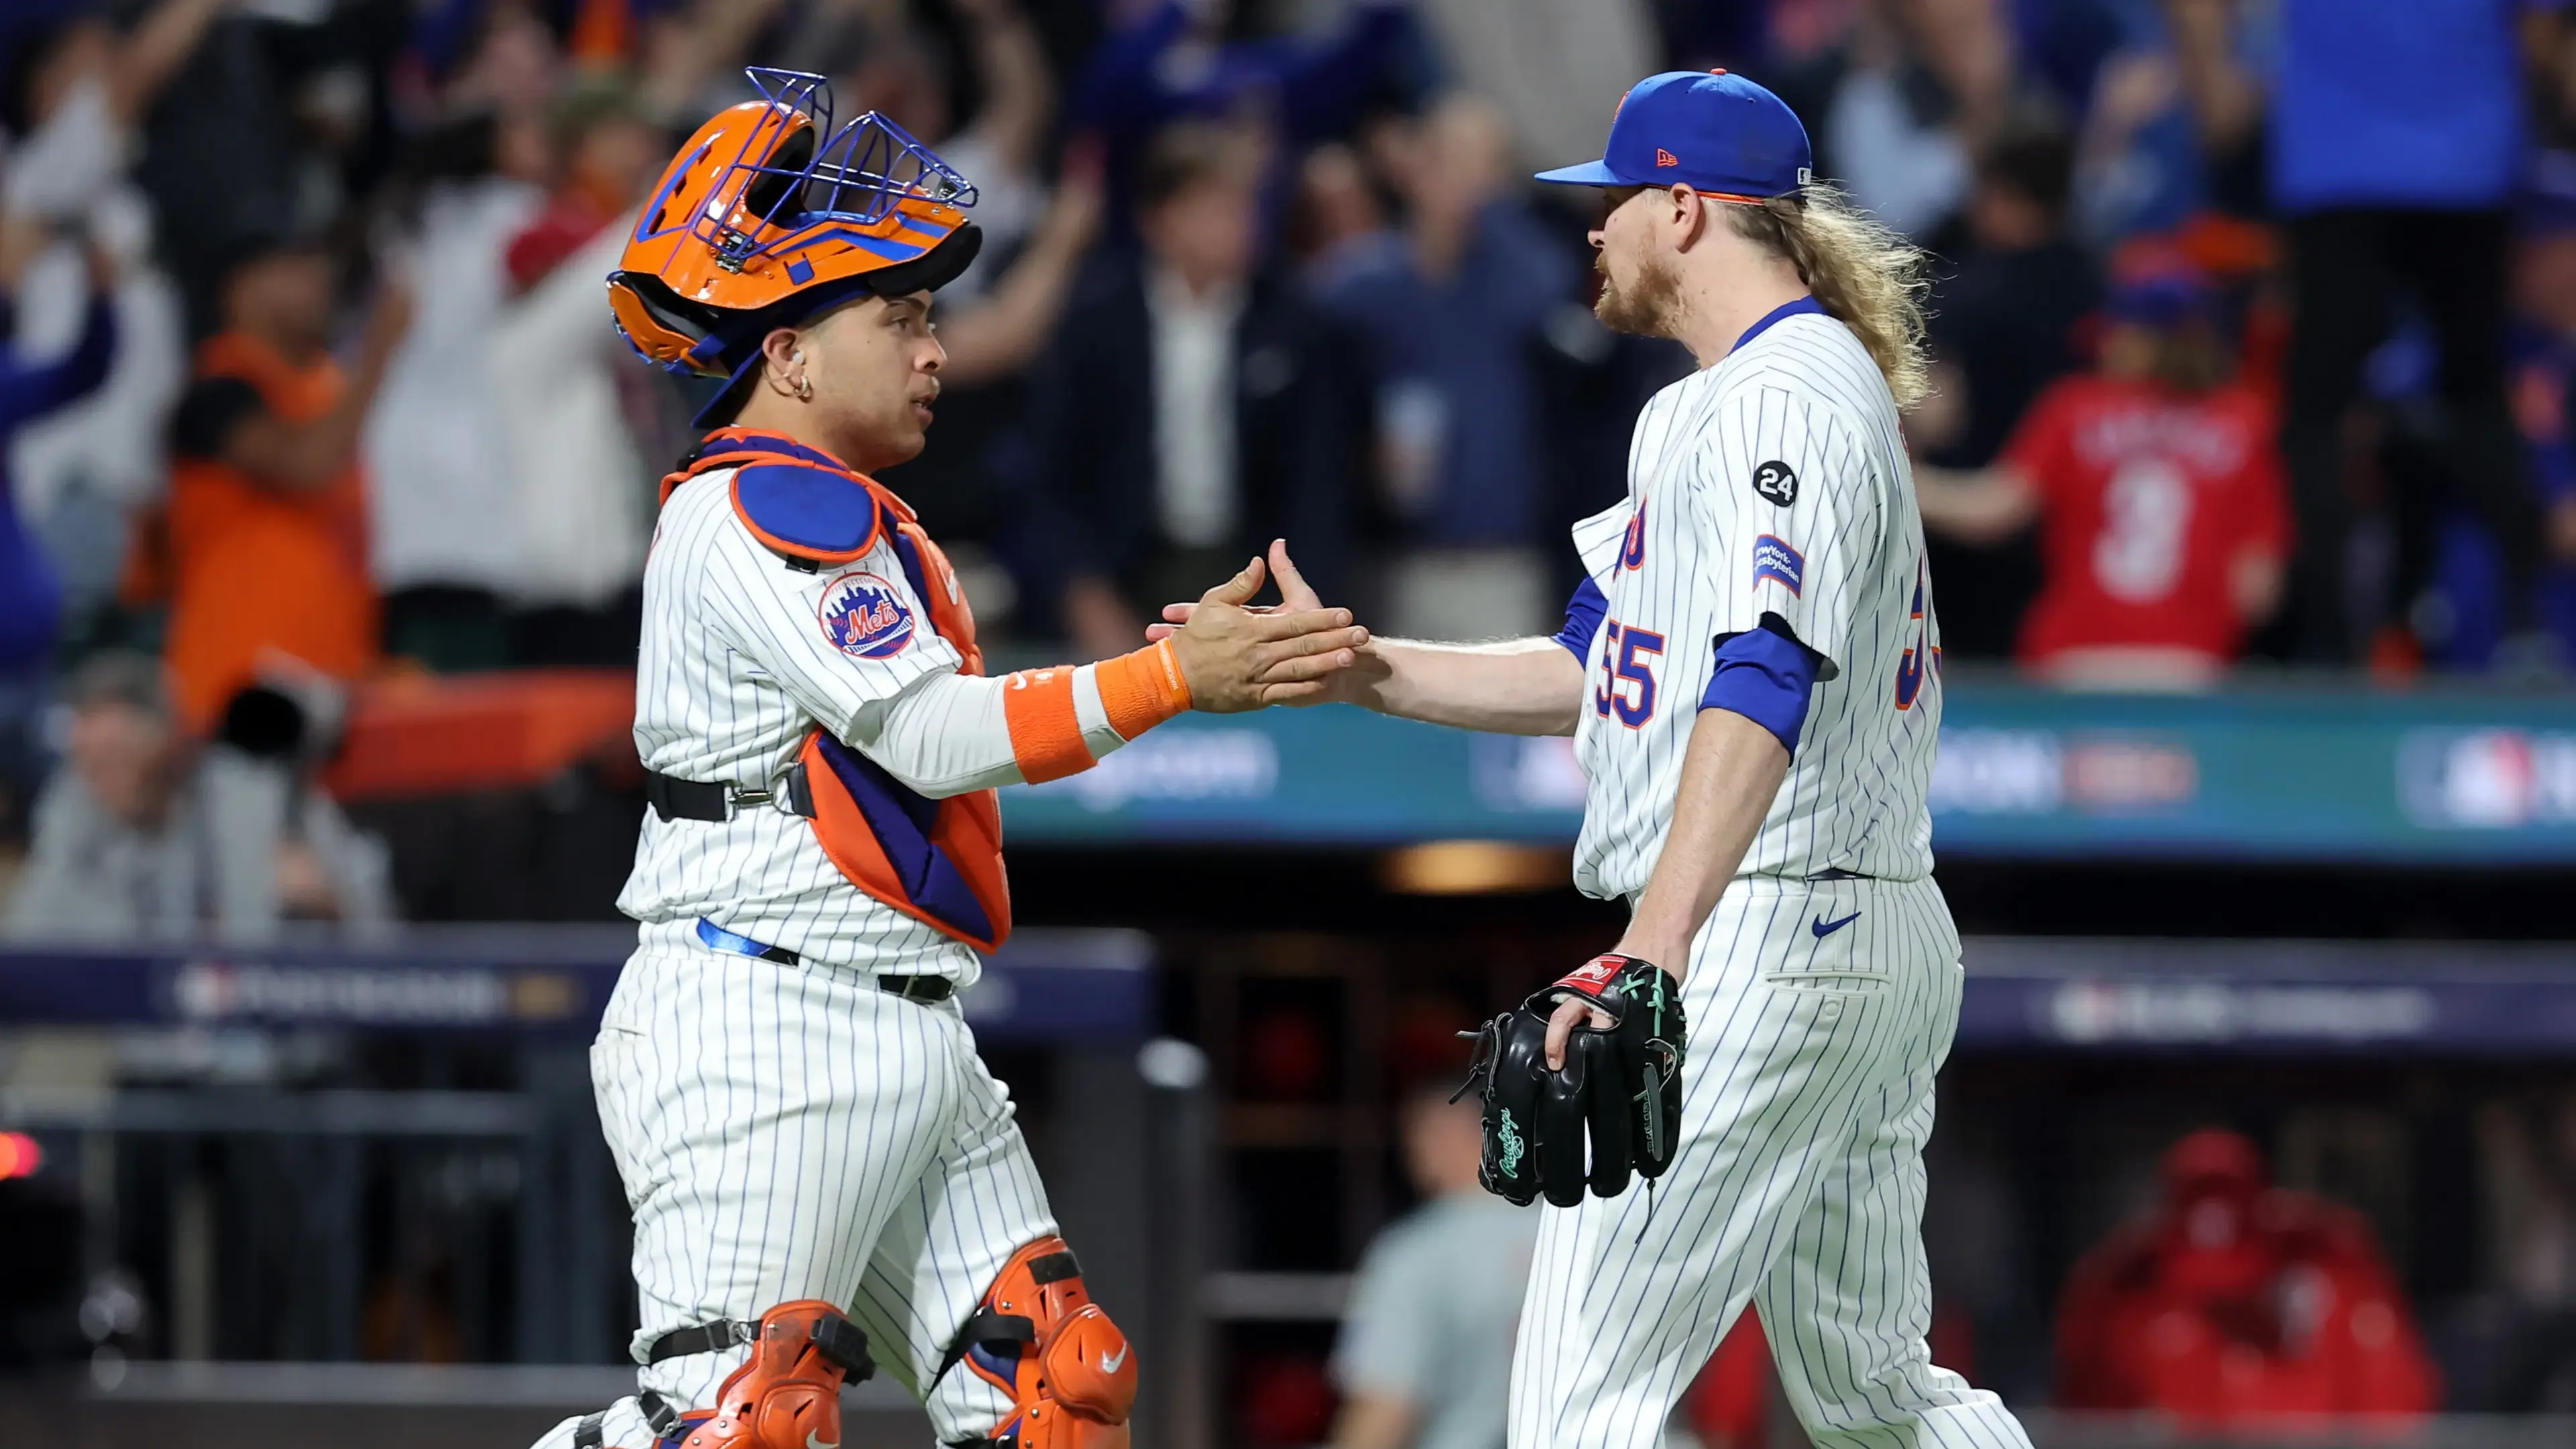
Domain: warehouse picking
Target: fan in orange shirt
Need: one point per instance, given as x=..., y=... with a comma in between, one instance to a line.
x=2164, y=525
x=262, y=548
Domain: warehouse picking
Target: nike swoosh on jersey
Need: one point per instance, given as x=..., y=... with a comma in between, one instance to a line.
x=1824, y=928
x=1109, y=1365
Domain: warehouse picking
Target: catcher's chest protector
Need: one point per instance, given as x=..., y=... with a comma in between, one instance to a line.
x=1069, y=1370
x=937, y=861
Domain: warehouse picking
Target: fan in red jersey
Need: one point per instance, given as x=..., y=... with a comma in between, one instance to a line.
x=2158, y=492
x=2238, y=1302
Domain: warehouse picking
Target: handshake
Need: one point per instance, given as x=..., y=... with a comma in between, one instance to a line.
x=1239, y=656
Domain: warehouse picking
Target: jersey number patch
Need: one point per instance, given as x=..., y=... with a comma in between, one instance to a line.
x=1623, y=663
x=1777, y=482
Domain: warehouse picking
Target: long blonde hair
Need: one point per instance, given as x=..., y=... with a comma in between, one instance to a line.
x=1862, y=273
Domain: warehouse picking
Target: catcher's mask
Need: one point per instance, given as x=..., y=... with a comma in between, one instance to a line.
x=768, y=217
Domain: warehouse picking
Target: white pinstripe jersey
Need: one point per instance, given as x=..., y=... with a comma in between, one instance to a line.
x=1772, y=483
x=738, y=662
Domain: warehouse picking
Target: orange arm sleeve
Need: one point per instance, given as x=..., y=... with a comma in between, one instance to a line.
x=1046, y=734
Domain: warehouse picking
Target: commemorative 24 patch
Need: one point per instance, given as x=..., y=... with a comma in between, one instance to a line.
x=1777, y=482
x=865, y=616
x=1777, y=561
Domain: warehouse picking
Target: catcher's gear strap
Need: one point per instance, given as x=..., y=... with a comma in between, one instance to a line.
x=717, y=801
x=1037, y=1335
x=659, y=1416
x=1620, y=1086
x=787, y=1394
x=715, y=1337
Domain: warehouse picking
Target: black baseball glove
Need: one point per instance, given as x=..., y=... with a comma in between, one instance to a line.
x=1621, y=1083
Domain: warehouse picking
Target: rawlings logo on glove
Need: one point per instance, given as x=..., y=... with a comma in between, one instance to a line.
x=1620, y=1088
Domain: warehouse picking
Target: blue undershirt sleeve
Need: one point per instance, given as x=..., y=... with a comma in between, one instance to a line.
x=1583, y=620
x=1767, y=676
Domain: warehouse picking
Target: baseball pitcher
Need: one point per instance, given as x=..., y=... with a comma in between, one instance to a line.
x=1751, y=672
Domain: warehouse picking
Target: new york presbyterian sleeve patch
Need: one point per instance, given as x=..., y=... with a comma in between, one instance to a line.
x=1776, y=560
x=1777, y=482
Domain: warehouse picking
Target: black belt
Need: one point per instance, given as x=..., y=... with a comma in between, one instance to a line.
x=1838, y=873
x=717, y=801
x=926, y=990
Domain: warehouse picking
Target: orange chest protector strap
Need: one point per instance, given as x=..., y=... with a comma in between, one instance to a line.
x=937, y=861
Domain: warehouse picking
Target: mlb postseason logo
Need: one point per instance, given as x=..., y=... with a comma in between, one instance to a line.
x=864, y=615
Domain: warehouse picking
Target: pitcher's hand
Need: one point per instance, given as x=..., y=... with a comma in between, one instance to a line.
x=1236, y=658
x=1294, y=594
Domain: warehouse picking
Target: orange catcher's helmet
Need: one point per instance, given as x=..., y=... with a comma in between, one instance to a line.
x=768, y=217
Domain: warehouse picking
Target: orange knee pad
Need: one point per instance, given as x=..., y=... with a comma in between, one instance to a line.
x=1038, y=1336
x=787, y=1395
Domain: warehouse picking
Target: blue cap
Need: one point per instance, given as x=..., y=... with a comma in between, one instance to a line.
x=2163, y=296
x=1715, y=132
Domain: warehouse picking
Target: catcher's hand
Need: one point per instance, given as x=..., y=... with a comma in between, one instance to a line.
x=1621, y=1084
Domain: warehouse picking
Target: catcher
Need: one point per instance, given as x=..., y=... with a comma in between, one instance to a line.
x=824, y=1177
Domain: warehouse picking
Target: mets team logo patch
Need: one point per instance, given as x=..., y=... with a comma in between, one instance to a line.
x=1775, y=560
x=863, y=615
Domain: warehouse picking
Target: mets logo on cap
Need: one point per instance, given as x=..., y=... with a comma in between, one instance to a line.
x=864, y=615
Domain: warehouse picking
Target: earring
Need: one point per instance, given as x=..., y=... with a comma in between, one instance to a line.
x=804, y=388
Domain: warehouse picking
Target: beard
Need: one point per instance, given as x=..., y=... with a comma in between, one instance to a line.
x=1649, y=306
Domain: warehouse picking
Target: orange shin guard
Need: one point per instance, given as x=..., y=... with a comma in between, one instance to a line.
x=1038, y=1336
x=787, y=1395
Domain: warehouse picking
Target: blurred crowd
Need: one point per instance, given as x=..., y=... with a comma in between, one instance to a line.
x=305, y=376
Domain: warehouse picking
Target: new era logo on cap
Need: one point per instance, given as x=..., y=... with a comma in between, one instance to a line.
x=1744, y=143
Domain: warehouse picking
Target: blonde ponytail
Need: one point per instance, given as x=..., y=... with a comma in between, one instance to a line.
x=1863, y=274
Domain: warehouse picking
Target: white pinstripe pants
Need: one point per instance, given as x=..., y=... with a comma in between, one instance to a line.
x=1806, y=1102
x=790, y=1132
